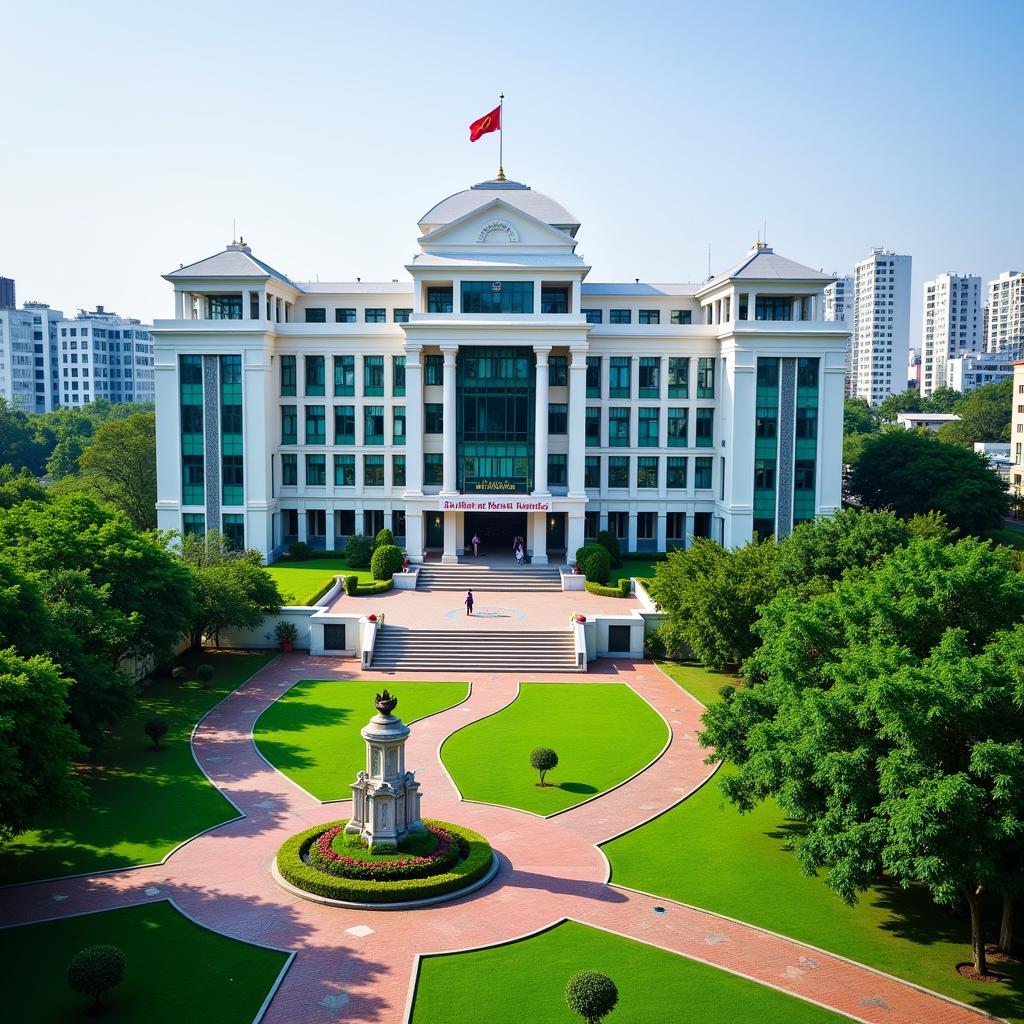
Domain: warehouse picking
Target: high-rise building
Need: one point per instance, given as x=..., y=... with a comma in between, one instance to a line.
x=966, y=373
x=103, y=355
x=7, y=298
x=28, y=368
x=951, y=325
x=496, y=391
x=881, y=325
x=1006, y=314
x=839, y=306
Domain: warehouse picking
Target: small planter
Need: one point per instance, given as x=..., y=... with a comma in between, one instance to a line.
x=286, y=635
x=372, y=617
x=284, y=646
x=581, y=618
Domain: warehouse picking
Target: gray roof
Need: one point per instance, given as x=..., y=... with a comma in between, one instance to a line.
x=640, y=290
x=498, y=259
x=766, y=265
x=516, y=194
x=235, y=261
x=356, y=287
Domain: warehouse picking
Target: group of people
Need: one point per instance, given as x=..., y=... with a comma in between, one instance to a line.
x=519, y=550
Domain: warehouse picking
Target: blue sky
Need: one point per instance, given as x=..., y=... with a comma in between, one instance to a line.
x=136, y=132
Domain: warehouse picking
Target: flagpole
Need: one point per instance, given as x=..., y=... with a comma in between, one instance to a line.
x=501, y=135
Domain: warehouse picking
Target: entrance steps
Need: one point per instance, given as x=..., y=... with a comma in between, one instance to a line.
x=525, y=579
x=442, y=650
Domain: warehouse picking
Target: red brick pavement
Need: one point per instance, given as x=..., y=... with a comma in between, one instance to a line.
x=356, y=965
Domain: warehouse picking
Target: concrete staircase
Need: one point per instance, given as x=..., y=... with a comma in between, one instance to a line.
x=523, y=579
x=472, y=650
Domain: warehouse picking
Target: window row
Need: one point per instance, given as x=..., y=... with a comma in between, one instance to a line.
x=315, y=425
x=613, y=471
x=648, y=427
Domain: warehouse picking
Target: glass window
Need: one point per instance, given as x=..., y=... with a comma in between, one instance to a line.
x=376, y=315
x=705, y=429
x=803, y=475
x=439, y=300
x=678, y=427
x=647, y=472
x=768, y=307
x=398, y=471
x=373, y=424
x=344, y=471
x=233, y=528
x=316, y=470
x=646, y=525
x=554, y=300
x=193, y=524
x=648, y=428
x=401, y=316
x=650, y=377
x=373, y=375
x=316, y=428
x=650, y=316
x=593, y=427
x=806, y=422
x=287, y=375
x=620, y=316
x=220, y=307
x=676, y=472
x=592, y=471
x=593, y=315
x=678, y=377
x=316, y=315
x=398, y=375
x=398, y=424
x=314, y=375
x=289, y=425
x=346, y=315
x=497, y=296
x=618, y=470
x=433, y=418
x=675, y=526
x=433, y=369
x=593, y=376
x=558, y=418
x=373, y=470
x=231, y=460
x=289, y=469
x=764, y=473
x=618, y=427
x=557, y=470
x=558, y=371
x=702, y=472
x=682, y=316
x=344, y=424
x=433, y=468
x=618, y=377
x=344, y=375
x=706, y=377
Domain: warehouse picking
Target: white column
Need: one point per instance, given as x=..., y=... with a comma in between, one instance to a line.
x=413, y=422
x=536, y=296
x=273, y=308
x=577, y=422
x=449, y=483
x=246, y=304
x=452, y=522
x=751, y=305
x=413, y=531
x=573, y=536
x=303, y=523
x=575, y=296
x=179, y=305
x=537, y=527
x=540, y=423
x=631, y=530
x=662, y=537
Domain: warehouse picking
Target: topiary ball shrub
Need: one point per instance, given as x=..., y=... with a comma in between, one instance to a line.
x=383, y=537
x=156, y=730
x=179, y=673
x=543, y=759
x=351, y=584
x=95, y=970
x=595, y=563
x=386, y=561
x=205, y=674
x=299, y=550
x=611, y=544
x=358, y=551
x=592, y=995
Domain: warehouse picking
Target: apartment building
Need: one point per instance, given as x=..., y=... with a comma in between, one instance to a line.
x=881, y=325
x=951, y=325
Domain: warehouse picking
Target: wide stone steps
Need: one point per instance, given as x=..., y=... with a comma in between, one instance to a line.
x=412, y=650
x=523, y=579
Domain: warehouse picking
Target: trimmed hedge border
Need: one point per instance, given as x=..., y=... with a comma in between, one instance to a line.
x=296, y=872
x=620, y=589
x=320, y=593
x=377, y=587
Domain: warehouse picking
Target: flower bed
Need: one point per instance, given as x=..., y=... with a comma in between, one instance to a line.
x=449, y=850
x=295, y=863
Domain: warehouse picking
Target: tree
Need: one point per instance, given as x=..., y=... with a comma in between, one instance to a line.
x=156, y=730
x=18, y=446
x=984, y=415
x=95, y=970
x=37, y=746
x=887, y=715
x=943, y=399
x=232, y=589
x=610, y=543
x=384, y=537
x=858, y=417
x=543, y=760
x=358, y=551
x=591, y=995
x=904, y=401
x=594, y=562
x=385, y=561
x=912, y=472
x=16, y=487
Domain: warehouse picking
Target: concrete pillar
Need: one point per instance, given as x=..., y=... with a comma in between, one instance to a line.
x=796, y=308
x=413, y=532
x=631, y=531
x=602, y=520
x=540, y=428
x=452, y=521
x=575, y=297
x=537, y=527
x=413, y=423
x=246, y=304
x=449, y=483
x=577, y=421
x=536, y=296
x=752, y=305
x=662, y=537
x=303, y=524
x=634, y=379
x=179, y=305
x=573, y=535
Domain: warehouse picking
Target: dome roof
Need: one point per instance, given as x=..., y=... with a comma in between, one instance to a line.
x=516, y=194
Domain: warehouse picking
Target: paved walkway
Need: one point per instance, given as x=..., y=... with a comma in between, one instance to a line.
x=358, y=966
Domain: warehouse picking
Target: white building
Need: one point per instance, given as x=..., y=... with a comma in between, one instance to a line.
x=951, y=325
x=103, y=355
x=839, y=306
x=497, y=391
x=925, y=420
x=1017, y=432
x=28, y=370
x=1005, y=330
x=966, y=373
x=881, y=325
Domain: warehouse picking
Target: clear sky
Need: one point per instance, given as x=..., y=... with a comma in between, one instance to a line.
x=136, y=131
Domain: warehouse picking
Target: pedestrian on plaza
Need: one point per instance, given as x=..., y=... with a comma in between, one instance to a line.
x=520, y=555
x=469, y=602
x=476, y=545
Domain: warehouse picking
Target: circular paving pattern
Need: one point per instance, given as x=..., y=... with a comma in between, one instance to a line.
x=481, y=611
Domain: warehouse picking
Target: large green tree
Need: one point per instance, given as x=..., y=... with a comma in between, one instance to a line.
x=18, y=445
x=888, y=715
x=984, y=415
x=903, y=401
x=858, y=417
x=16, y=487
x=912, y=472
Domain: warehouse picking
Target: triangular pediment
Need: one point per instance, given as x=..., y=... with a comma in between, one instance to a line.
x=497, y=226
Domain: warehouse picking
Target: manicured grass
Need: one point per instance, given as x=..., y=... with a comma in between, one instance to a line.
x=176, y=970
x=706, y=853
x=1012, y=536
x=312, y=733
x=699, y=681
x=631, y=568
x=300, y=581
x=142, y=802
x=602, y=732
x=525, y=981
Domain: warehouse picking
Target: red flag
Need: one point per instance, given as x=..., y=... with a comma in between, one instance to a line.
x=488, y=123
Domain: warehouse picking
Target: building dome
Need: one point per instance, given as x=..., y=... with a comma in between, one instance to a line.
x=516, y=194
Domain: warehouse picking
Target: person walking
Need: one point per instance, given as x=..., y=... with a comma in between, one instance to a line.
x=476, y=545
x=469, y=602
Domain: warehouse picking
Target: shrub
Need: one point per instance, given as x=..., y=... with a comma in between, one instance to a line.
x=179, y=673
x=449, y=850
x=285, y=632
x=377, y=587
x=383, y=537
x=654, y=645
x=156, y=730
x=595, y=563
x=543, y=759
x=386, y=561
x=351, y=585
x=358, y=550
x=726, y=692
x=620, y=589
x=205, y=673
x=611, y=544
x=299, y=550
x=95, y=970
x=592, y=995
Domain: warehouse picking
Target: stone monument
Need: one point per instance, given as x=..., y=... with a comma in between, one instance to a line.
x=385, y=797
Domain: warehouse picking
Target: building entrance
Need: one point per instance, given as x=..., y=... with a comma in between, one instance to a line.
x=496, y=531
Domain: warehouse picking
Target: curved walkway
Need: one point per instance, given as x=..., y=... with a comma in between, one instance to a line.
x=355, y=965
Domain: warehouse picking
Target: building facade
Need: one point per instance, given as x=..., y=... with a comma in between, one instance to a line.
x=28, y=367
x=1005, y=328
x=103, y=355
x=951, y=325
x=839, y=306
x=880, y=343
x=967, y=373
x=8, y=298
x=497, y=392
x=1017, y=432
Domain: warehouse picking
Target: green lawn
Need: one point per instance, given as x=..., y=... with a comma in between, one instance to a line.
x=299, y=582
x=1012, y=536
x=312, y=733
x=525, y=981
x=176, y=970
x=142, y=802
x=631, y=568
x=602, y=732
x=709, y=855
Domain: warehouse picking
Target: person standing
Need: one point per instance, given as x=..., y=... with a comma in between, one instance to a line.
x=469, y=602
x=476, y=545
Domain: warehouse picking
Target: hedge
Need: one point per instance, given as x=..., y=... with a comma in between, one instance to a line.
x=621, y=589
x=313, y=598
x=376, y=587
x=386, y=561
x=351, y=890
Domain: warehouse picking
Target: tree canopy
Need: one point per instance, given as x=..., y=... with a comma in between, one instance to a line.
x=984, y=415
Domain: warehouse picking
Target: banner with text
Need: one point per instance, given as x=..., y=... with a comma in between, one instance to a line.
x=510, y=504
